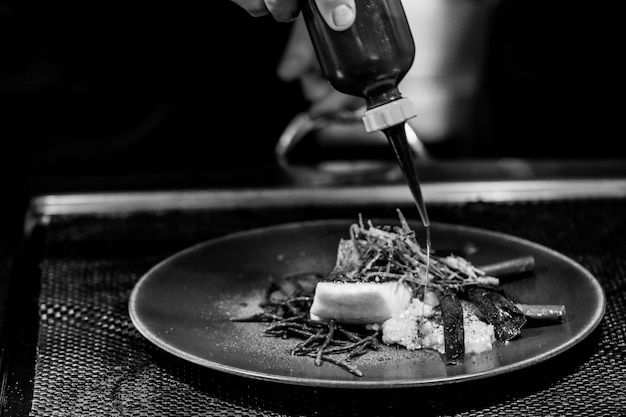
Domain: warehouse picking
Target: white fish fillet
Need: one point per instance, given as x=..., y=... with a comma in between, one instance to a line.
x=359, y=302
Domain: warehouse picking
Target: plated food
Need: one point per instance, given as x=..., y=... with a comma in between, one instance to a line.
x=385, y=288
x=184, y=305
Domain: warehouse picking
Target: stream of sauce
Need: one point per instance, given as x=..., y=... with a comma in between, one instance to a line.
x=396, y=135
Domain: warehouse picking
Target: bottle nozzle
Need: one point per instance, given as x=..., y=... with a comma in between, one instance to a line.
x=388, y=114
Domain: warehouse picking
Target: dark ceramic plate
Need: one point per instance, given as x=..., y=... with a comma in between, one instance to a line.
x=184, y=303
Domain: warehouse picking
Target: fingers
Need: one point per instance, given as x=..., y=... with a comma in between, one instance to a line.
x=256, y=8
x=283, y=10
x=338, y=14
x=299, y=55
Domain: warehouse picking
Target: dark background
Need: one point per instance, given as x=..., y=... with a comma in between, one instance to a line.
x=554, y=84
x=119, y=87
x=134, y=94
x=151, y=88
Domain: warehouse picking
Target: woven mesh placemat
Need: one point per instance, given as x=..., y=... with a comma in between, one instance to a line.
x=92, y=362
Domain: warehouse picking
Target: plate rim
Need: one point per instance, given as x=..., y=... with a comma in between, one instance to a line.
x=592, y=323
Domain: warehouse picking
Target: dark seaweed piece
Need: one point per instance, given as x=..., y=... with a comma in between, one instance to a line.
x=453, y=333
x=497, y=309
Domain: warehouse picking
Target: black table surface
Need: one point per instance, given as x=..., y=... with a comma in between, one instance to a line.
x=69, y=347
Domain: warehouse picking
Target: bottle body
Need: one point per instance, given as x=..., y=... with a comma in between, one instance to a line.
x=370, y=58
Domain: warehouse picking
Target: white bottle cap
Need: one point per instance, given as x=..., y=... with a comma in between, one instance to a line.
x=388, y=114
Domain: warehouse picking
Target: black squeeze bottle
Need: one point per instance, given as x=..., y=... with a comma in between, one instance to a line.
x=369, y=60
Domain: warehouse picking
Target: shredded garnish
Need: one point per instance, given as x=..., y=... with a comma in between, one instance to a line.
x=371, y=254
x=389, y=253
x=286, y=310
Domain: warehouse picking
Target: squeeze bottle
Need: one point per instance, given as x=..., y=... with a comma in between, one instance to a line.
x=369, y=59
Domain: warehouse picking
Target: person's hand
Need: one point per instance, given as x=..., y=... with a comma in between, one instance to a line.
x=339, y=14
x=299, y=62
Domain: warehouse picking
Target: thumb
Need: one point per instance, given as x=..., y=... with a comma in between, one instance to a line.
x=338, y=14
